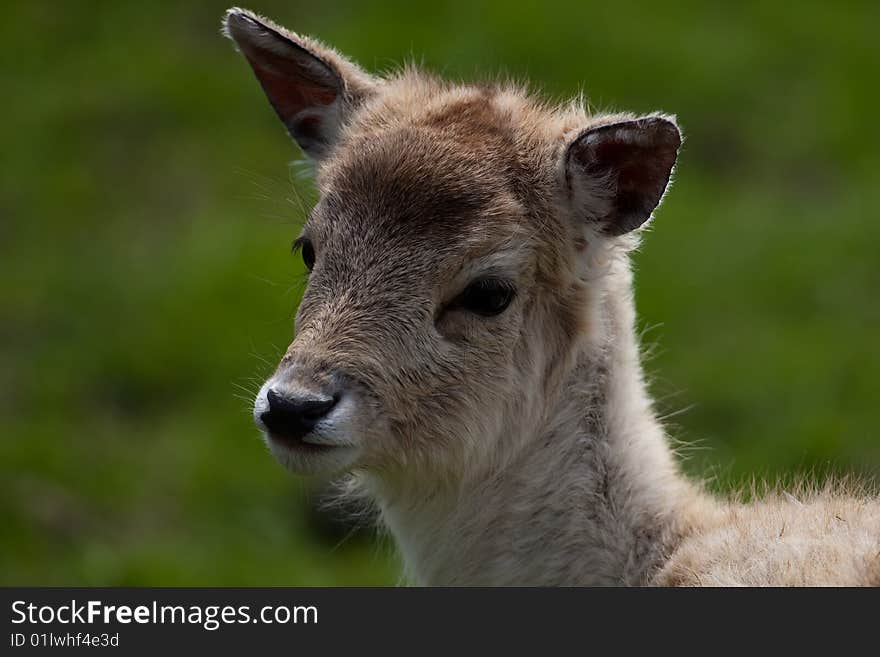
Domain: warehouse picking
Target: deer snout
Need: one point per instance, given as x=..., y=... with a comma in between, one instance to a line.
x=301, y=412
x=293, y=416
x=314, y=417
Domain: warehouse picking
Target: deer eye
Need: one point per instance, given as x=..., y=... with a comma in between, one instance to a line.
x=307, y=251
x=487, y=297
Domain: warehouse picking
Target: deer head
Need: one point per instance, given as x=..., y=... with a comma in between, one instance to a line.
x=455, y=256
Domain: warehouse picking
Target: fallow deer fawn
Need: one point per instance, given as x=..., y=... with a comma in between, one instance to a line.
x=465, y=348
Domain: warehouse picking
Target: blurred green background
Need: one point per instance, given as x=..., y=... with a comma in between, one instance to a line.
x=147, y=209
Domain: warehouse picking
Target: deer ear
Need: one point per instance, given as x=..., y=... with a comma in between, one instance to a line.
x=616, y=174
x=311, y=87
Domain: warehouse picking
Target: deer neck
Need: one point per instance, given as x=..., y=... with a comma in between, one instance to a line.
x=593, y=497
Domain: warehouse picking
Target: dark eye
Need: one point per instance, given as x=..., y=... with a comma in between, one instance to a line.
x=307, y=250
x=487, y=297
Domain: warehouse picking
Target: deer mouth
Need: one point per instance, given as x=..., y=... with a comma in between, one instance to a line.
x=316, y=451
x=302, y=457
x=302, y=443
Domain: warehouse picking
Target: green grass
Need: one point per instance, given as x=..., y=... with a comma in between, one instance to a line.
x=146, y=213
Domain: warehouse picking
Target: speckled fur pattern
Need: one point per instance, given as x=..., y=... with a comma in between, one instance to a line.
x=521, y=449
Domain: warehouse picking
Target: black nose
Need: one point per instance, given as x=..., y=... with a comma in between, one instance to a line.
x=294, y=417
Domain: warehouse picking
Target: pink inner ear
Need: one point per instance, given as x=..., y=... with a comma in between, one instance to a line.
x=636, y=158
x=288, y=84
x=642, y=175
x=643, y=166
